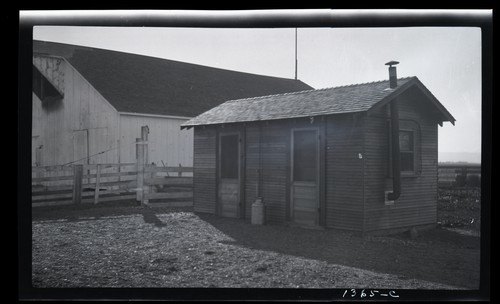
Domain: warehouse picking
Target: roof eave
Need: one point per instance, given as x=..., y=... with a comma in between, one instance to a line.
x=401, y=89
x=187, y=125
x=447, y=115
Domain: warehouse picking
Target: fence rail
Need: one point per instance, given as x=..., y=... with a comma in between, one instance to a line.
x=461, y=175
x=171, y=186
x=96, y=183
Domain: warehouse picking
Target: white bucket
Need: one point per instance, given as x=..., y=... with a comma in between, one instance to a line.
x=258, y=212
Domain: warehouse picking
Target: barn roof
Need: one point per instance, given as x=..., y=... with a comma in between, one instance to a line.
x=344, y=99
x=141, y=84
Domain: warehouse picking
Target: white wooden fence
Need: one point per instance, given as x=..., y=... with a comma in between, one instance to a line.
x=94, y=183
x=77, y=184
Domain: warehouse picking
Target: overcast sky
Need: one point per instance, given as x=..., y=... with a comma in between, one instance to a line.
x=446, y=59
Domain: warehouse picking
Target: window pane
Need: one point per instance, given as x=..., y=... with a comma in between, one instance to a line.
x=229, y=156
x=305, y=156
x=407, y=161
x=405, y=141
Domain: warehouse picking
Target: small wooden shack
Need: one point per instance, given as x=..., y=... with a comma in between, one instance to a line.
x=360, y=157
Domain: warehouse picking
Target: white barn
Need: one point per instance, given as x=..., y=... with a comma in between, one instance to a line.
x=89, y=104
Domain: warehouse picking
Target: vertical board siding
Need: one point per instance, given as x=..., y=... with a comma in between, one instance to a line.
x=204, y=171
x=344, y=172
x=82, y=108
x=52, y=68
x=166, y=141
x=418, y=201
x=111, y=137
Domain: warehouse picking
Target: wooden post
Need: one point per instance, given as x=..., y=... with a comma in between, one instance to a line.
x=164, y=165
x=38, y=156
x=145, y=161
x=97, y=182
x=140, y=169
x=77, y=183
x=118, y=157
x=144, y=137
x=151, y=186
x=38, y=160
x=179, y=174
x=145, y=188
x=142, y=155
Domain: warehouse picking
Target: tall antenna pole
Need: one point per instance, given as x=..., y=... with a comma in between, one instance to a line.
x=296, y=54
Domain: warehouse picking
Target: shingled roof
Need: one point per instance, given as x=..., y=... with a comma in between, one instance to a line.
x=142, y=84
x=337, y=100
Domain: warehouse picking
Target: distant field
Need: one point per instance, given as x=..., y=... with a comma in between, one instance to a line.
x=460, y=157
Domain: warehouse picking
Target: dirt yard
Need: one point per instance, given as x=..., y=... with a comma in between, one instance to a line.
x=130, y=246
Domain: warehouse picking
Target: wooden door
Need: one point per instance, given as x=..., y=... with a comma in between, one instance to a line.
x=305, y=177
x=229, y=175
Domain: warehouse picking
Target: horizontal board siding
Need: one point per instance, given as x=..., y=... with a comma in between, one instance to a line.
x=418, y=200
x=252, y=164
x=401, y=218
x=204, y=172
x=346, y=219
x=344, y=172
x=273, y=159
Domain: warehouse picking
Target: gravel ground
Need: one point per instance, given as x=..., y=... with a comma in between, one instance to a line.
x=179, y=249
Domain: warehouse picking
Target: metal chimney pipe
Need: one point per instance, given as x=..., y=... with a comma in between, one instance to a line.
x=393, y=77
x=396, y=157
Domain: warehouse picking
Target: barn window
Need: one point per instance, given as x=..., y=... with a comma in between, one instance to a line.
x=407, y=151
x=45, y=91
x=229, y=156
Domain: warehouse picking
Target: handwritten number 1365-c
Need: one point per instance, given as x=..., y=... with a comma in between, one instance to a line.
x=371, y=293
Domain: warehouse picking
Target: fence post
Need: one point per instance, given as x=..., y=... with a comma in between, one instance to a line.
x=145, y=188
x=144, y=137
x=140, y=169
x=77, y=183
x=142, y=160
x=97, y=182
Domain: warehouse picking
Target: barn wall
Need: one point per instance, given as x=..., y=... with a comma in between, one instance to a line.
x=204, y=172
x=344, y=172
x=83, y=123
x=418, y=200
x=166, y=141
